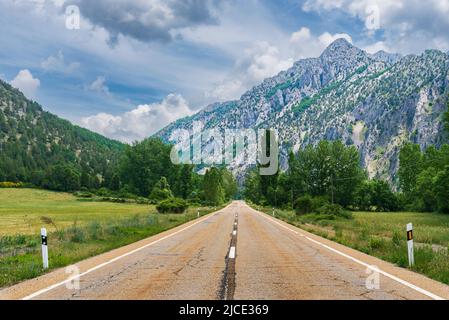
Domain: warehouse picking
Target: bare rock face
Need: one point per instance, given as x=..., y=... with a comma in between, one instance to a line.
x=375, y=102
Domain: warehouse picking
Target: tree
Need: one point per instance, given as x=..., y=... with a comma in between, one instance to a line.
x=62, y=178
x=184, y=182
x=214, y=193
x=115, y=182
x=425, y=199
x=229, y=184
x=442, y=190
x=252, y=190
x=143, y=164
x=382, y=197
x=410, y=161
x=161, y=190
x=330, y=169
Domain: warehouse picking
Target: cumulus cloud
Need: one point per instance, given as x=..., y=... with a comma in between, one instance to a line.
x=99, y=86
x=259, y=62
x=57, y=63
x=264, y=60
x=304, y=44
x=408, y=25
x=148, y=20
x=141, y=122
x=25, y=82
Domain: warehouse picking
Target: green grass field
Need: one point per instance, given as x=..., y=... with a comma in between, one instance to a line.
x=77, y=228
x=384, y=235
x=21, y=210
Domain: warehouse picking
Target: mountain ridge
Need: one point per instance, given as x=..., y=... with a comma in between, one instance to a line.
x=33, y=140
x=305, y=104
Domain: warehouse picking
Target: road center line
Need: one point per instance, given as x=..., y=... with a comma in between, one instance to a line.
x=386, y=274
x=56, y=285
x=232, y=253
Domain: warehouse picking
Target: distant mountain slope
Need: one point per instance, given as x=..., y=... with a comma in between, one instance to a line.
x=32, y=140
x=376, y=102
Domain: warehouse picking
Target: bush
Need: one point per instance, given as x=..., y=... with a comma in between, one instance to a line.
x=308, y=204
x=172, y=205
x=303, y=205
x=84, y=194
x=334, y=210
x=11, y=185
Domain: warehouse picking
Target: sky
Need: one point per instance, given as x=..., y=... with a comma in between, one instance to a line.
x=127, y=68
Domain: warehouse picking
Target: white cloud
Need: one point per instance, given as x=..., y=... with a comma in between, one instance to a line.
x=264, y=60
x=99, y=85
x=326, y=38
x=57, y=64
x=259, y=62
x=25, y=82
x=228, y=90
x=304, y=44
x=376, y=47
x=409, y=26
x=141, y=122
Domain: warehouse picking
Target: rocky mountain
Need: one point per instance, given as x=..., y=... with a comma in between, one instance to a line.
x=375, y=102
x=32, y=140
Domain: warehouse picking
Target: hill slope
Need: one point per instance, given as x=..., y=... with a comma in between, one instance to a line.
x=376, y=102
x=32, y=140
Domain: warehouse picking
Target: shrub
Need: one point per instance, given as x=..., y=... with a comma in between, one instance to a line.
x=77, y=234
x=11, y=185
x=303, y=205
x=334, y=210
x=83, y=194
x=172, y=205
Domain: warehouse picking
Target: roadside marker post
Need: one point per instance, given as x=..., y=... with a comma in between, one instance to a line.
x=44, y=248
x=198, y=213
x=411, y=256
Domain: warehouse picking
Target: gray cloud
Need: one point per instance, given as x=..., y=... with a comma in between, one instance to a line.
x=148, y=20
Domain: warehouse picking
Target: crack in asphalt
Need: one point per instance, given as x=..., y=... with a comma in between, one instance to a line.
x=227, y=287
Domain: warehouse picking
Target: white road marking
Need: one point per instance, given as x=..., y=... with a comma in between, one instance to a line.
x=56, y=285
x=234, y=233
x=232, y=253
x=386, y=274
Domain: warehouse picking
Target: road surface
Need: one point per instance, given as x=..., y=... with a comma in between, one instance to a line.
x=235, y=253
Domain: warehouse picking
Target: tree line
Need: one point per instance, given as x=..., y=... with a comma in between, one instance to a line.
x=329, y=176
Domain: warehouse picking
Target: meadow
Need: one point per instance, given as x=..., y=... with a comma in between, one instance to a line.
x=383, y=235
x=78, y=229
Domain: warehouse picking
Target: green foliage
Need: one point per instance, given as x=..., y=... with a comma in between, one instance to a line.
x=213, y=187
x=252, y=190
x=330, y=169
x=7, y=184
x=172, y=205
x=161, y=190
x=424, y=177
x=376, y=195
x=62, y=178
x=441, y=183
x=33, y=141
x=334, y=210
x=303, y=205
x=410, y=159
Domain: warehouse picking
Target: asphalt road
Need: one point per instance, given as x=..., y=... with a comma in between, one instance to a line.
x=235, y=253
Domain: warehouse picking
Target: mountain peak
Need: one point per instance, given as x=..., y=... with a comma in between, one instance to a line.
x=338, y=45
x=386, y=56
